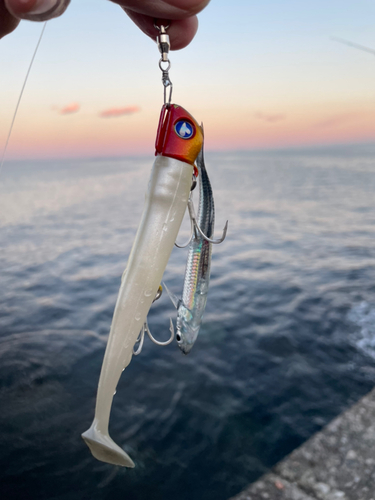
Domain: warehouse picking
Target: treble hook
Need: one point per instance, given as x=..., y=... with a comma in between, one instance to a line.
x=195, y=226
x=140, y=339
x=146, y=329
x=157, y=342
x=193, y=186
x=190, y=237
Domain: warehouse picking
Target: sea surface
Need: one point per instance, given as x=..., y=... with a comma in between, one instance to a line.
x=287, y=343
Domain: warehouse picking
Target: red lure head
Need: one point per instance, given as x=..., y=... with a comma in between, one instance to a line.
x=179, y=136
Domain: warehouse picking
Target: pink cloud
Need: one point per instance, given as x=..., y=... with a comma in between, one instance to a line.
x=70, y=108
x=113, y=112
x=337, y=120
x=270, y=118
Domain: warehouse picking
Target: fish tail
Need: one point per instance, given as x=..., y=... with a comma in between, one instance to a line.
x=103, y=448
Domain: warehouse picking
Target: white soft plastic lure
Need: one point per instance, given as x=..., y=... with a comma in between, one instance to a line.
x=179, y=140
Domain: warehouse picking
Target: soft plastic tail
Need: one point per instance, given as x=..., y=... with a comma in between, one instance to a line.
x=104, y=449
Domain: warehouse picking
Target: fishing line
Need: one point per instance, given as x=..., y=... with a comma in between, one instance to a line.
x=20, y=96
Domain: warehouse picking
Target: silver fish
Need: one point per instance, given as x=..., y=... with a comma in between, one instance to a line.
x=190, y=308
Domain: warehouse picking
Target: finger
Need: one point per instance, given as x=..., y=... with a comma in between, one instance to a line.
x=181, y=31
x=37, y=10
x=164, y=9
x=8, y=23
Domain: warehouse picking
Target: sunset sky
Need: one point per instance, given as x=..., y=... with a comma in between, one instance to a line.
x=258, y=75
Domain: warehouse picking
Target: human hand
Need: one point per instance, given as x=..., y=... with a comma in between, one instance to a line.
x=180, y=13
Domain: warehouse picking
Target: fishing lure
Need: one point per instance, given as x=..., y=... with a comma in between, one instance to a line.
x=179, y=140
x=190, y=308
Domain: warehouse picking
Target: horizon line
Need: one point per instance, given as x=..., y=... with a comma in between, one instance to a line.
x=271, y=149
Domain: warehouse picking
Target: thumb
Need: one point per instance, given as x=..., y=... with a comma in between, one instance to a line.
x=36, y=10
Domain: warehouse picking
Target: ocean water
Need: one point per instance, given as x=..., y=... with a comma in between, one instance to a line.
x=287, y=343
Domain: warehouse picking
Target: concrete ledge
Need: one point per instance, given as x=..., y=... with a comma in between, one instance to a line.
x=337, y=463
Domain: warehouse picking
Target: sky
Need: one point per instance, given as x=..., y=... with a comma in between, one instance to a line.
x=259, y=75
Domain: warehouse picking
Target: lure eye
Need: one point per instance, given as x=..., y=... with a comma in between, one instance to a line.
x=184, y=129
x=178, y=337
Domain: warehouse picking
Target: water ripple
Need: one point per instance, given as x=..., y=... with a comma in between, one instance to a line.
x=286, y=342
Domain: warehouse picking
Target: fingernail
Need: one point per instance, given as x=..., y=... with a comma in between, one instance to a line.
x=43, y=10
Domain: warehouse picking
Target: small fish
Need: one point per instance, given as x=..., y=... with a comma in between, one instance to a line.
x=165, y=205
x=190, y=308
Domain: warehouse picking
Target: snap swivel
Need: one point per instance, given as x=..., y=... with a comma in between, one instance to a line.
x=164, y=46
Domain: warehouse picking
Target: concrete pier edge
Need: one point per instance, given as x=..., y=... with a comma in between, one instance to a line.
x=337, y=463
